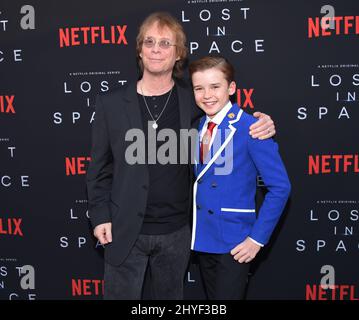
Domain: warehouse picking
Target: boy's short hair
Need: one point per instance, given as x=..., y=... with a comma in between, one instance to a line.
x=210, y=62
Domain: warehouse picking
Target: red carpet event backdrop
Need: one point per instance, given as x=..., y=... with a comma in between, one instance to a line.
x=297, y=61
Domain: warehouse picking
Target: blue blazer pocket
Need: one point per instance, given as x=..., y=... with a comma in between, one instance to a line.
x=236, y=223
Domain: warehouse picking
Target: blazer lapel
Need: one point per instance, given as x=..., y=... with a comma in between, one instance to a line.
x=132, y=107
x=226, y=131
x=184, y=101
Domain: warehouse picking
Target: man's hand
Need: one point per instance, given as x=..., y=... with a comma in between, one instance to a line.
x=103, y=232
x=245, y=251
x=262, y=129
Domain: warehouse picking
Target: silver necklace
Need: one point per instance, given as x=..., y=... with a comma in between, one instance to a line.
x=155, y=125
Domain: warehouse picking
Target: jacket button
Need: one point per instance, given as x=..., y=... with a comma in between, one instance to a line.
x=214, y=185
x=199, y=181
x=198, y=206
x=210, y=212
x=140, y=214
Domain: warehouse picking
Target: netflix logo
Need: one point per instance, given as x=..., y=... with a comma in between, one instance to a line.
x=334, y=292
x=244, y=98
x=92, y=35
x=87, y=287
x=333, y=163
x=342, y=25
x=11, y=227
x=76, y=165
x=7, y=104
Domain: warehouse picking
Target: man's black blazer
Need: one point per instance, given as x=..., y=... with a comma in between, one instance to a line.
x=117, y=191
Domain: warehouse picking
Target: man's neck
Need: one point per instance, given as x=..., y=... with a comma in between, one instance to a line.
x=154, y=85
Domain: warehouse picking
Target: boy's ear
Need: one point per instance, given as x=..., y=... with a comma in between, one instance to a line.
x=232, y=88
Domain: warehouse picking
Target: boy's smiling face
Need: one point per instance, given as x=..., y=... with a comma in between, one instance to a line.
x=211, y=90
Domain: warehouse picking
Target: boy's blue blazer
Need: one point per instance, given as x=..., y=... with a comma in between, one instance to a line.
x=224, y=191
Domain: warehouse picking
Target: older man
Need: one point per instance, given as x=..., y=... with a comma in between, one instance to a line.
x=140, y=212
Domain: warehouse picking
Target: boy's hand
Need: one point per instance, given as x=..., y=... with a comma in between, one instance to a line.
x=262, y=129
x=245, y=251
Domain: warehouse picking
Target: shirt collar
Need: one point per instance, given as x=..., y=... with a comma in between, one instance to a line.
x=218, y=118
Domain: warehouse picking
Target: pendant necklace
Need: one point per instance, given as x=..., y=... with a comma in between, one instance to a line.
x=155, y=125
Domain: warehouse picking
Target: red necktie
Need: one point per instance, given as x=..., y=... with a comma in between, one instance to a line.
x=206, y=141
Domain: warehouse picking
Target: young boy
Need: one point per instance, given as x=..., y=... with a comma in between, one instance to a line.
x=227, y=234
